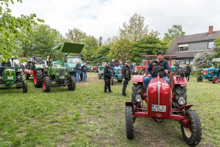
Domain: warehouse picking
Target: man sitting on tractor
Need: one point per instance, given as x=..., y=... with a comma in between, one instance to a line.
x=160, y=61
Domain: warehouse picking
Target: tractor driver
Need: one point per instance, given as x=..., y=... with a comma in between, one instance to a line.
x=160, y=61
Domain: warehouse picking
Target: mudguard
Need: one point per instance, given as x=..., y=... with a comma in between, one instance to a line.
x=138, y=78
x=179, y=80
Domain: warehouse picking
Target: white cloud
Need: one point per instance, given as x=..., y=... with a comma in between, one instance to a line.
x=103, y=17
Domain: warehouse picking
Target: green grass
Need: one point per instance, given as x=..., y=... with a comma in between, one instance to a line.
x=90, y=117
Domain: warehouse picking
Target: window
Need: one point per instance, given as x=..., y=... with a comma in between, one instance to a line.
x=183, y=47
x=211, y=45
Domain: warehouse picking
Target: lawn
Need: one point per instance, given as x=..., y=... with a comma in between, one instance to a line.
x=90, y=117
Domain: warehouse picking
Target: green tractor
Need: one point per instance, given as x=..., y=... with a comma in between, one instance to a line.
x=58, y=75
x=11, y=76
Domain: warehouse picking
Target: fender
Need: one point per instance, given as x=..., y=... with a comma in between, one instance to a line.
x=129, y=104
x=179, y=80
x=138, y=78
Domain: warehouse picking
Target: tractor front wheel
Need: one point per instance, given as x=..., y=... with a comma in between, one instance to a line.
x=46, y=84
x=142, y=71
x=193, y=133
x=24, y=86
x=137, y=89
x=215, y=80
x=38, y=78
x=129, y=122
x=199, y=78
x=72, y=83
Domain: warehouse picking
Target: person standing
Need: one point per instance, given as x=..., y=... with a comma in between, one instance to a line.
x=84, y=72
x=78, y=69
x=107, y=77
x=188, y=71
x=112, y=64
x=177, y=65
x=126, y=77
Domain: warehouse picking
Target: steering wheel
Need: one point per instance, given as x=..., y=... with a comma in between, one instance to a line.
x=158, y=70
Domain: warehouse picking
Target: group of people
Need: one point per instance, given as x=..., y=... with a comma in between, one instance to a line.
x=185, y=68
x=126, y=76
x=81, y=69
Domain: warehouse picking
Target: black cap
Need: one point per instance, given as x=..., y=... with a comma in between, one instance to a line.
x=160, y=52
x=127, y=61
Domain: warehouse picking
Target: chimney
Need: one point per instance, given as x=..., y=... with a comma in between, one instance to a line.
x=210, y=30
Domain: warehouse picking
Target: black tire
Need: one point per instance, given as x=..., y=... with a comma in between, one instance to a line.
x=132, y=71
x=129, y=122
x=192, y=136
x=24, y=87
x=46, y=84
x=215, y=80
x=137, y=89
x=72, y=85
x=39, y=78
x=19, y=77
x=199, y=78
x=180, y=92
x=142, y=71
x=27, y=76
x=99, y=76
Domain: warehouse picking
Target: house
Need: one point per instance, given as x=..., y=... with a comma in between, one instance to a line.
x=186, y=47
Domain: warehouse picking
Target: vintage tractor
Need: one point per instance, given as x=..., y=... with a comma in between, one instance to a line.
x=35, y=67
x=139, y=70
x=70, y=64
x=12, y=76
x=100, y=72
x=163, y=101
x=116, y=74
x=94, y=69
x=212, y=73
x=58, y=75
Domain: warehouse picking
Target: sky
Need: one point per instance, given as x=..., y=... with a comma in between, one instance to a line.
x=104, y=17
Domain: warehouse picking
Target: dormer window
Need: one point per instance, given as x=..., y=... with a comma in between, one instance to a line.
x=183, y=47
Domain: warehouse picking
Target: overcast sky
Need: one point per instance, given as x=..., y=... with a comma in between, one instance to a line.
x=104, y=17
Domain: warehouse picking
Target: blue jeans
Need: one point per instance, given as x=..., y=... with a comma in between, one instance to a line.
x=148, y=79
x=84, y=76
x=77, y=76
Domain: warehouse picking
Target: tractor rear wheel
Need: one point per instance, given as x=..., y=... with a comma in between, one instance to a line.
x=129, y=122
x=72, y=85
x=38, y=78
x=215, y=80
x=137, y=89
x=27, y=76
x=46, y=84
x=199, y=78
x=24, y=86
x=142, y=71
x=192, y=134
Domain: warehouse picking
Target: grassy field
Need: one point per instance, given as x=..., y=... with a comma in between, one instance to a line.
x=90, y=117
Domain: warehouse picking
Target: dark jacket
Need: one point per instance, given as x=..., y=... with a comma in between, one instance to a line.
x=126, y=73
x=177, y=65
x=188, y=69
x=78, y=67
x=107, y=72
x=162, y=63
x=84, y=68
x=112, y=64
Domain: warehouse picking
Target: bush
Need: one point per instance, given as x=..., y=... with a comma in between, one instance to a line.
x=203, y=60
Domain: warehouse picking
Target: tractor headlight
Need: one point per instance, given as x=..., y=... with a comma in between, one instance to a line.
x=138, y=98
x=181, y=101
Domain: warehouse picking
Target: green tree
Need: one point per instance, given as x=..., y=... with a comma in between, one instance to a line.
x=42, y=41
x=149, y=45
x=135, y=29
x=217, y=47
x=175, y=31
x=75, y=35
x=101, y=52
x=10, y=27
x=121, y=50
x=90, y=48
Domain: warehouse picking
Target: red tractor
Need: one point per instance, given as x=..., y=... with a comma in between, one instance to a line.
x=163, y=101
x=139, y=70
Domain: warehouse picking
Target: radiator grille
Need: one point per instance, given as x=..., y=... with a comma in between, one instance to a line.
x=62, y=72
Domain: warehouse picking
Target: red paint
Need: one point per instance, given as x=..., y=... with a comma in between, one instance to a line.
x=138, y=78
x=35, y=77
x=44, y=87
x=205, y=72
x=179, y=81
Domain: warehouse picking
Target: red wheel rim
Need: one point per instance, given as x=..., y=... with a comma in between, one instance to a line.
x=35, y=77
x=216, y=80
x=44, y=87
x=69, y=86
